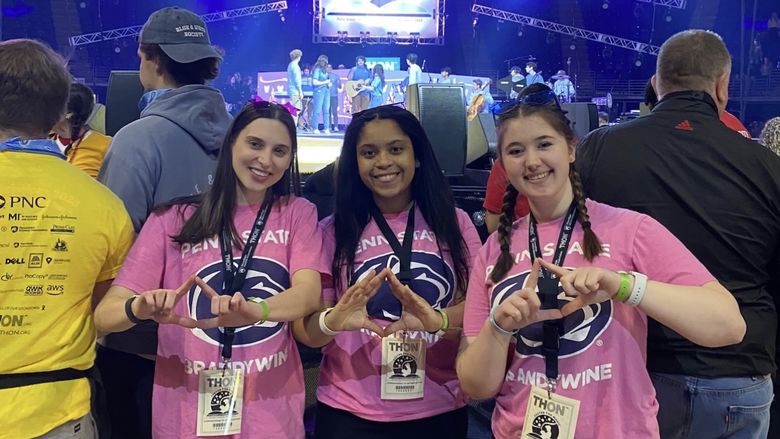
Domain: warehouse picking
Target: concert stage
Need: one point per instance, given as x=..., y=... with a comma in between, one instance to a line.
x=315, y=151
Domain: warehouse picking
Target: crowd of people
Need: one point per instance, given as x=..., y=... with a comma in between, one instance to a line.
x=628, y=290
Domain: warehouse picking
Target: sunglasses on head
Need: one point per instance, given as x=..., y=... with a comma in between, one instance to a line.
x=542, y=97
x=259, y=102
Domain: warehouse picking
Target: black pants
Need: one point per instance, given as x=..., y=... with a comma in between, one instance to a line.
x=128, y=381
x=333, y=423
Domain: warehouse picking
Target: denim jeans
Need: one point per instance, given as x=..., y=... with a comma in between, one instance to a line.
x=693, y=407
x=321, y=108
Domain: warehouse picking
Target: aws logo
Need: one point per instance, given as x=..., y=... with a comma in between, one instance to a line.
x=580, y=329
x=432, y=279
x=265, y=278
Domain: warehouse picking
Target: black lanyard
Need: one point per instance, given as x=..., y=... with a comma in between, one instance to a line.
x=402, y=251
x=233, y=277
x=548, y=290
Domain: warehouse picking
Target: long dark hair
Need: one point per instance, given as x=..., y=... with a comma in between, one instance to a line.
x=379, y=70
x=429, y=189
x=215, y=207
x=81, y=102
x=552, y=113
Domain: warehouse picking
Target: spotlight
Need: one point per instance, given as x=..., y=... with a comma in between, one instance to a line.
x=605, y=5
x=117, y=49
x=668, y=18
x=281, y=16
x=573, y=46
x=638, y=62
x=520, y=31
x=83, y=5
x=476, y=20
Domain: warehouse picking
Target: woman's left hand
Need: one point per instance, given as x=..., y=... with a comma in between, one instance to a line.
x=416, y=315
x=588, y=285
x=231, y=311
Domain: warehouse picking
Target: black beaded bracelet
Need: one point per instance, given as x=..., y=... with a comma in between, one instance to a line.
x=129, y=311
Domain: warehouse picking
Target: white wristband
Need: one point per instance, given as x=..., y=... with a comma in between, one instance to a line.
x=323, y=327
x=495, y=324
x=638, y=292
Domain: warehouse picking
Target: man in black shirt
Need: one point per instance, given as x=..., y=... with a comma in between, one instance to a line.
x=719, y=193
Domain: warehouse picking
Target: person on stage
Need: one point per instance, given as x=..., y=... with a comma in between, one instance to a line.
x=360, y=73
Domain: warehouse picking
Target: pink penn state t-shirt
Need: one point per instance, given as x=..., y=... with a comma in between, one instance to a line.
x=603, y=351
x=274, y=389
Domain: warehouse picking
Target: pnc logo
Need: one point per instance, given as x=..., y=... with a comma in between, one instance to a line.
x=22, y=201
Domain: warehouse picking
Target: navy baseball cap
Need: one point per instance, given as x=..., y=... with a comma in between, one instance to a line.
x=181, y=34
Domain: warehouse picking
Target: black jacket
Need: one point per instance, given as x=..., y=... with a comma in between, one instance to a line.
x=719, y=193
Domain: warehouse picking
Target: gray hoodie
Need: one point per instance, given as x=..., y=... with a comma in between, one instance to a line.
x=170, y=152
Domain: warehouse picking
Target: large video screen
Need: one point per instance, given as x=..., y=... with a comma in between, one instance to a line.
x=380, y=17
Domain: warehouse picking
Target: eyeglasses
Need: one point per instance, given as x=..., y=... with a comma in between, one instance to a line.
x=542, y=97
x=259, y=102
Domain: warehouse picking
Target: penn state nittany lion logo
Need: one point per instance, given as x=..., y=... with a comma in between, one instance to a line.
x=264, y=278
x=580, y=328
x=432, y=279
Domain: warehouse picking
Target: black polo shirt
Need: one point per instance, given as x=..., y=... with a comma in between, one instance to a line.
x=719, y=193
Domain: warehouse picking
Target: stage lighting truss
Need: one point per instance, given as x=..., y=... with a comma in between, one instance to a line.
x=364, y=38
x=113, y=34
x=576, y=32
x=679, y=4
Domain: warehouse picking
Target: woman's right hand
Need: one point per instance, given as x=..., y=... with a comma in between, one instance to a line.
x=158, y=305
x=522, y=307
x=350, y=313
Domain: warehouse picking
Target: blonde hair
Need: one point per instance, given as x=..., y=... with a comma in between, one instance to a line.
x=295, y=54
x=770, y=135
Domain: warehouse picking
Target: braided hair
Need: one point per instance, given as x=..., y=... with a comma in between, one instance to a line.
x=81, y=102
x=556, y=117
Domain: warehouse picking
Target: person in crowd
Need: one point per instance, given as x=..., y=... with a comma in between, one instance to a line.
x=360, y=73
x=322, y=85
x=82, y=146
x=770, y=135
x=71, y=236
x=494, y=197
x=294, y=81
x=307, y=85
x=377, y=87
x=232, y=94
x=414, y=70
x=728, y=119
x=169, y=152
x=177, y=274
x=682, y=166
x=445, y=76
x=603, y=118
x=600, y=271
x=335, y=91
x=400, y=254
x=532, y=76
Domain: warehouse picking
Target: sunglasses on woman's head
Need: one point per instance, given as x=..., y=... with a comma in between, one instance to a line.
x=259, y=102
x=543, y=97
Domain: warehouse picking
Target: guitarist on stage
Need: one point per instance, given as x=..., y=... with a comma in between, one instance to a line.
x=360, y=73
